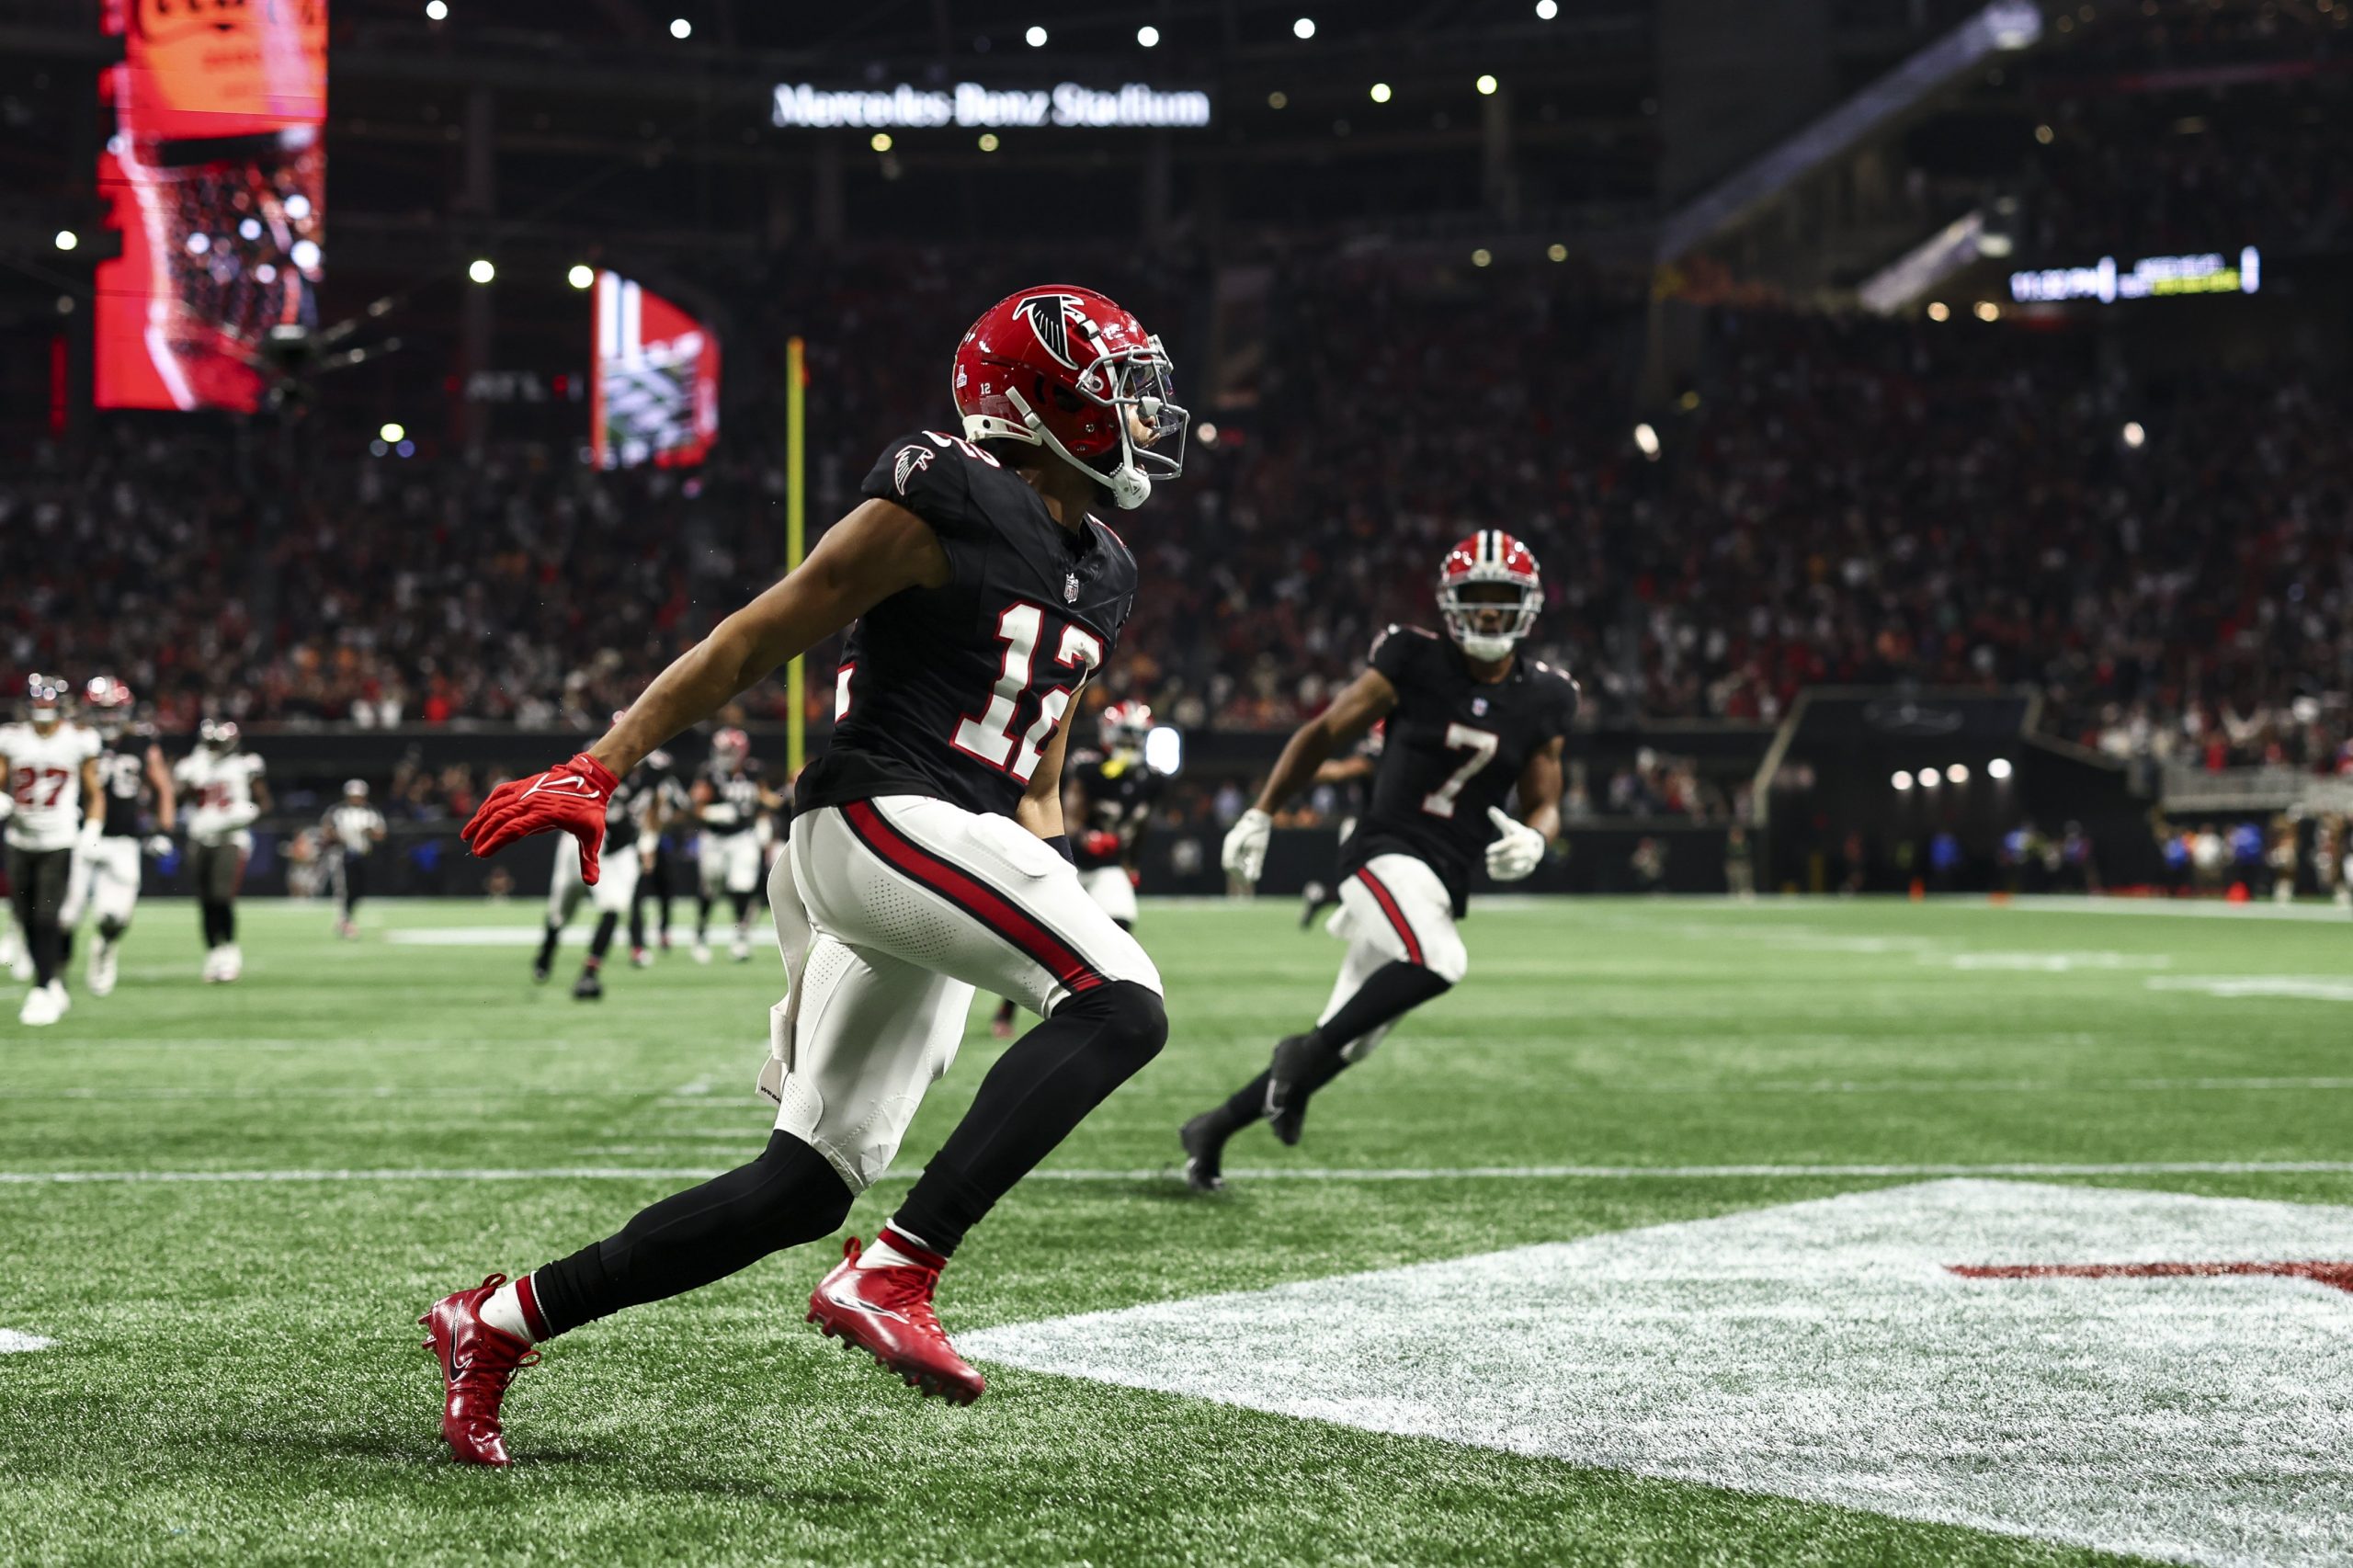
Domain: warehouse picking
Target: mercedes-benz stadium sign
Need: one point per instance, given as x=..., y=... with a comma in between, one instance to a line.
x=1069, y=104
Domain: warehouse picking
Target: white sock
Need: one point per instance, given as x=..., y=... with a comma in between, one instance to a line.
x=503, y=1311
x=882, y=1255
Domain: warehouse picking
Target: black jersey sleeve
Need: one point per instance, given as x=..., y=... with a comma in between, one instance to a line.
x=1566, y=696
x=1403, y=655
x=926, y=472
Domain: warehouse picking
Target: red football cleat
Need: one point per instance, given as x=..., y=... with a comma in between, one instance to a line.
x=887, y=1313
x=477, y=1363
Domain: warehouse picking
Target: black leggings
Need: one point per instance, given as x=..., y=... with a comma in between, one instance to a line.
x=37, y=880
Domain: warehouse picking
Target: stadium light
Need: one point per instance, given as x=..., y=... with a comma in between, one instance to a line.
x=1164, y=749
x=1480, y=256
x=2134, y=436
x=1206, y=433
x=581, y=275
x=482, y=270
x=1381, y=92
x=681, y=28
x=2045, y=135
x=1988, y=311
x=1035, y=38
x=1487, y=86
x=1149, y=37
x=393, y=432
x=1928, y=778
x=436, y=10
x=67, y=239
x=1646, y=440
x=406, y=449
x=879, y=140
x=1278, y=99
x=1556, y=251
x=1957, y=774
x=1547, y=9
x=1998, y=768
x=1902, y=780
x=248, y=228
x=989, y=144
x=298, y=206
x=305, y=254
x=1303, y=29
x=1938, y=311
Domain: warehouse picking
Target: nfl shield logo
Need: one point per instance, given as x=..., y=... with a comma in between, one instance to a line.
x=1478, y=707
x=1070, y=588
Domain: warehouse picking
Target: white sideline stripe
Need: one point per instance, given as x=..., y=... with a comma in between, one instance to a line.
x=1373, y=1173
x=12, y=1342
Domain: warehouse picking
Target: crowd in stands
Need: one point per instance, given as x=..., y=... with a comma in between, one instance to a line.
x=1832, y=499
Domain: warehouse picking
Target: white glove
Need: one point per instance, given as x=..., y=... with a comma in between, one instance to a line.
x=1519, y=852
x=1245, y=855
x=92, y=831
x=159, y=845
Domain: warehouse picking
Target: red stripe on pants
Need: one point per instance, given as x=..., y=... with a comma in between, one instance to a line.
x=1389, y=906
x=1004, y=916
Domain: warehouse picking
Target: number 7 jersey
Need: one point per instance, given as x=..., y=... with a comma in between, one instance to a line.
x=1453, y=746
x=954, y=692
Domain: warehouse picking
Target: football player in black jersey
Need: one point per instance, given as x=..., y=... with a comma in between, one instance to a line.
x=677, y=807
x=926, y=856
x=131, y=775
x=1468, y=722
x=731, y=804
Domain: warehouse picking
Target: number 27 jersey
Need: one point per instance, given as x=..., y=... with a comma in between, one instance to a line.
x=954, y=692
x=1452, y=748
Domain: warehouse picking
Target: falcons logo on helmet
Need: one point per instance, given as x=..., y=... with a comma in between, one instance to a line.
x=912, y=462
x=1054, y=317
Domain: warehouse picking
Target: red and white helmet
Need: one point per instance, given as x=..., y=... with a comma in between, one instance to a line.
x=109, y=700
x=730, y=747
x=1490, y=555
x=45, y=698
x=1067, y=368
x=1125, y=725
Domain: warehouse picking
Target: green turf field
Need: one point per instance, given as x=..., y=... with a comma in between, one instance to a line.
x=236, y=1374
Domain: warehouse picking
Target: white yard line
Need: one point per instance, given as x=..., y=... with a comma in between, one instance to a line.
x=12, y=1342
x=1365, y=1174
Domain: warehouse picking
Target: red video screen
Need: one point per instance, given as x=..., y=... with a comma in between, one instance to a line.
x=656, y=390
x=216, y=176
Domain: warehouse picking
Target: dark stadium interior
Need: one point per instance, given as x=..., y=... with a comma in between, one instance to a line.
x=1398, y=314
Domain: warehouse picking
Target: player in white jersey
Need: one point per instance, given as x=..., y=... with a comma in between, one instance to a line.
x=227, y=795
x=131, y=775
x=731, y=804
x=49, y=770
x=350, y=829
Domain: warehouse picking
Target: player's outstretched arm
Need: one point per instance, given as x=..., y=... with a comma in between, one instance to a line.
x=1368, y=700
x=1521, y=847
x=875, y=551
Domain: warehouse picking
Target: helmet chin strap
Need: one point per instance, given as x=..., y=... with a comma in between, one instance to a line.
x=1487, y=645
x=1130, y=488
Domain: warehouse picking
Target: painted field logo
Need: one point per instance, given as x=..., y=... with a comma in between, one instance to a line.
x=1833, y=1352
x=2336, y=1276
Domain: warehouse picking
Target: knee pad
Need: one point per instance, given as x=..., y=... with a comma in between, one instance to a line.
x=1132, y=1020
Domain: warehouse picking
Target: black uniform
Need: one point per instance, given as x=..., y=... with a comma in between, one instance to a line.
x=1453, y=746
x=632, y=798
x=735, y=800
x=122, y=782
x=1121, y=793
x=948, y=685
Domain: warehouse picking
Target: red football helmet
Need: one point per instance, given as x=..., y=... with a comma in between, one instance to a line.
x=1065, y=368
x=1488, y=626
x=109, y=700
x=1124, y=726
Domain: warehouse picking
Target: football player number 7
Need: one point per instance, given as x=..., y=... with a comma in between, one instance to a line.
x=990, y=736
x=1481, y=744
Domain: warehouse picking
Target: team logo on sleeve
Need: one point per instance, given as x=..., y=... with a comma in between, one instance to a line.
x=912, y=460
x=1070, y=588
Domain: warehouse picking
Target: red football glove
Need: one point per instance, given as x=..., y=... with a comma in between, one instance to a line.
x=1101, y=845
x=572, y=799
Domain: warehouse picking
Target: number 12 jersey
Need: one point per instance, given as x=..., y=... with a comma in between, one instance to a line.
x=954, y=692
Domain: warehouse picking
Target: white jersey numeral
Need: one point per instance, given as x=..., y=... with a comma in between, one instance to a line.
x=1481, y=744
x=990, y=736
